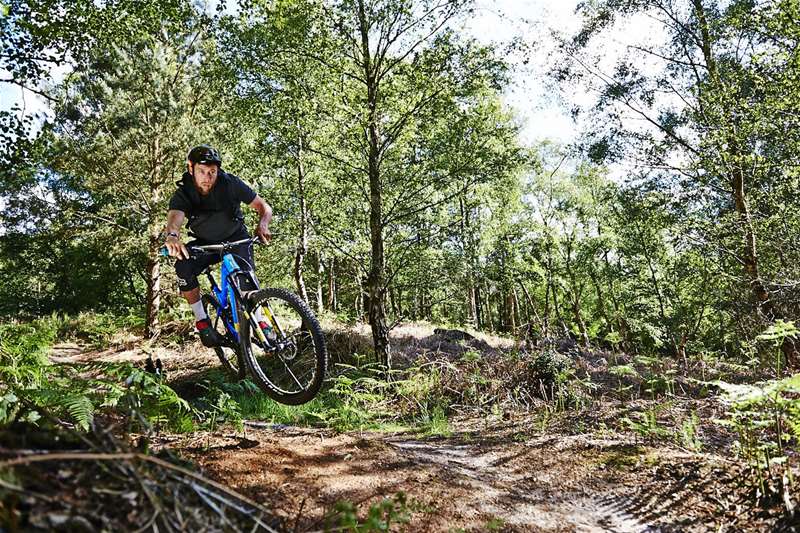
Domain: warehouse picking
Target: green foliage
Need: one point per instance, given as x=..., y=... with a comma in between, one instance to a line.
x=688, y=433
x=380, y=516
x=355, y=398
x=776, y=335
x=97, y=330
x=436, y=423
x=29, y=383
x=766, y=419
x=65, y=245
x=553, y=377
x=495, y=524
x=145, y=396
x=646, y=424
x=473, y=227
x=623, y=371
x=23, y=351
x=658, y=378
x=217, y=407
x=550, y=368
x=705, y=246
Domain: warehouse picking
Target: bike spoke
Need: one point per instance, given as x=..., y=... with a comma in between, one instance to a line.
x=292, y=374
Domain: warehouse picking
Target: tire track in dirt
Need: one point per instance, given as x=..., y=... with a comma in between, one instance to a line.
x=512, y=496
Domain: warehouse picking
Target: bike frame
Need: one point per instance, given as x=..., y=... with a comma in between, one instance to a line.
x=229, y=289
x=226, y=291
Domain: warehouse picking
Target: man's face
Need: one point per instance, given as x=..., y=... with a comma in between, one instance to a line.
x=205, y=176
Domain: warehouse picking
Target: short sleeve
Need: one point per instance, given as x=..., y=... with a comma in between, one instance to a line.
x=180, y=202
x=242, y=191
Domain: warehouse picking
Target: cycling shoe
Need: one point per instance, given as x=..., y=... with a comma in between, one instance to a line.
x=208, y=335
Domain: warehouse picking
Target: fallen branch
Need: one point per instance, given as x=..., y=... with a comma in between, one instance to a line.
x=132, y=456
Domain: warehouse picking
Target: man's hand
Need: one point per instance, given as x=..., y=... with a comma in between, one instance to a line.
x=262, y=230
x=265, y=216
x=176, y=248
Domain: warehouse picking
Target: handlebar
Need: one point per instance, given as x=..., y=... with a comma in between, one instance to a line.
x=213, y=248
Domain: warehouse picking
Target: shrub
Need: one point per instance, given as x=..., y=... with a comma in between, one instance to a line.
x=766, y=419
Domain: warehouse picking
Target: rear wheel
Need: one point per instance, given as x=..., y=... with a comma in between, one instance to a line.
x=290, y=364
x=229, y=356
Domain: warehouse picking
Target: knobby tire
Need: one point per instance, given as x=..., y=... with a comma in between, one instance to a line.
x=309, y=321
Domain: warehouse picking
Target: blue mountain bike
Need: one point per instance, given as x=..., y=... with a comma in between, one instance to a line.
x=288, y=361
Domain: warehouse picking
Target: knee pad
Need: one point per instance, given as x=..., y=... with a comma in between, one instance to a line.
x=187, y=280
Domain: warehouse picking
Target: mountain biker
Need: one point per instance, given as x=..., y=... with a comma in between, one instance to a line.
x=211, y=198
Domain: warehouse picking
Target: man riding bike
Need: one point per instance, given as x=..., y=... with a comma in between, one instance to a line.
x=211, y=199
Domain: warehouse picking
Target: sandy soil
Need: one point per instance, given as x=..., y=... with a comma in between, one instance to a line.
x=493, y=474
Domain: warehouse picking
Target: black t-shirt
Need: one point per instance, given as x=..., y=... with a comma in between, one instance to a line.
x=217, y=215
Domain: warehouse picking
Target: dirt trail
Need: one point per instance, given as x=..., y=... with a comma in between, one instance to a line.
x=544, y=484
x=491, y=474
x=460, y=482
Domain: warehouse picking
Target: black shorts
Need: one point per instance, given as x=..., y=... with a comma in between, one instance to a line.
x=188, y=269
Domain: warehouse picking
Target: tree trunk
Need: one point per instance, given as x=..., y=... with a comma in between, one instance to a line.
x=557, y=311
x=517, y=312
x=320, y=275
x=550, y=290
x=376, y=279
x=153, y=276
x=358, y=304
x=619, y=312
x=479, y=320
x=332, y=299
x=302, y=244
x=420, y=292
x=472, y=311
x=500, y=307
x=576, y=310
x=487, y=299
x=764, y=304
x=153, y=267
x=393, y=302
x=508, y=305
x=601, y=302
x=530, y=309
x=399, y=297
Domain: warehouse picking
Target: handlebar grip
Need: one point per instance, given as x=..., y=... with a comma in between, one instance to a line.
x=163, y=252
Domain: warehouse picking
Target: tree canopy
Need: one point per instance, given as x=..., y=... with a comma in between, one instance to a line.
x=401, y=186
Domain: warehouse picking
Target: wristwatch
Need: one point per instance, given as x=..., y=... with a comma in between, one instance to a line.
x=172, y=234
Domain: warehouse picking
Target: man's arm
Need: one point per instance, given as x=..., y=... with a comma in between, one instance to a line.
x=265, y=212
x=174, y=244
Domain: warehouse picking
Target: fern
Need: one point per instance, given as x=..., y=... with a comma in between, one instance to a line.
x=80, y=408
x=74, y=392
x=9, y=407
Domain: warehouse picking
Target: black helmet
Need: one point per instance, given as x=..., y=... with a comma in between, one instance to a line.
x=204, y=154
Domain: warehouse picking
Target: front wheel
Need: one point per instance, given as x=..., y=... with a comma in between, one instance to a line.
x=290, y=361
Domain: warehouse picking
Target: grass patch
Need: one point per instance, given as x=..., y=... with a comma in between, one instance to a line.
x=437, y=424
x=355, y=399
x=621, y=457
x=97, y=329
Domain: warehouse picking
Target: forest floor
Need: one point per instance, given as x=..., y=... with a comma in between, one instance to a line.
x=509, y=470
